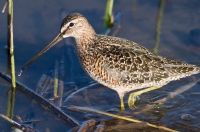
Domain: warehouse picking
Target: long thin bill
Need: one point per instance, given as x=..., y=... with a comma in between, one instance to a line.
x=58, y=38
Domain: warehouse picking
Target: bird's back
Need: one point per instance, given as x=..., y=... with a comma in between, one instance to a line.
x=120, y=63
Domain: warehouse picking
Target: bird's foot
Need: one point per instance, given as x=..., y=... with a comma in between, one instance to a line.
x=133, y=96
x=132, y=99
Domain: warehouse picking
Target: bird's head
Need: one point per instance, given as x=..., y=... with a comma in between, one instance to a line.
x=74, y=25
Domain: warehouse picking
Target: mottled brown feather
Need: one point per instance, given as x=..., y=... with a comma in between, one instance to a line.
x=121, y=64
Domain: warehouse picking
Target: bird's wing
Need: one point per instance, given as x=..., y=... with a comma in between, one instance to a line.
x=132, y=63
x=129, y=62
x=177, y=68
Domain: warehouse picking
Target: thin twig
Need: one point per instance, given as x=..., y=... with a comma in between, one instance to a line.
x=10, y=120
x=10, y=43
x=108, y=18
x=158, y=25
x=4, y=7
x=122, y=117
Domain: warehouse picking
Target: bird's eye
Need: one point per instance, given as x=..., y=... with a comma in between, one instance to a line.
x=71, y=24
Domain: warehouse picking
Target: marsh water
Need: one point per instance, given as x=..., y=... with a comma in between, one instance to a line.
x=37, y=22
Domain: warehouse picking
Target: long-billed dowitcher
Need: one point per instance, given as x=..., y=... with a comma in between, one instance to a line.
x=117, y=63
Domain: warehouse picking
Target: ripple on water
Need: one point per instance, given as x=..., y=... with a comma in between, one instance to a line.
x=188, y=114
x=164, y=100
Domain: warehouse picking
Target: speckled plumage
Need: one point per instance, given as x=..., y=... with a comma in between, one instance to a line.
x=117, y=63
x=123, y=65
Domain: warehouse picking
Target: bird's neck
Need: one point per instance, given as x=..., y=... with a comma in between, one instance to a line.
x=85, y=46
x=85, y=41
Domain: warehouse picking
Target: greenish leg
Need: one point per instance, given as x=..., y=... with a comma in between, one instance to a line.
x=122, y=105
x=132, y=96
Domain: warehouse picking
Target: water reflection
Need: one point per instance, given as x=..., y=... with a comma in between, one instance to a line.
x=37, y=23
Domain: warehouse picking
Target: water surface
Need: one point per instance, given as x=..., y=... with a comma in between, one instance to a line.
x=36, y=23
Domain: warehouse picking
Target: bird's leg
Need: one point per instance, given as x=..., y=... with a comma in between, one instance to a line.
x=121, y=96
x=132, y=96
x=122, y=105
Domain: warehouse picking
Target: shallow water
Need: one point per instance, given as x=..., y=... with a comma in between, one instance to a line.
x=36, y=23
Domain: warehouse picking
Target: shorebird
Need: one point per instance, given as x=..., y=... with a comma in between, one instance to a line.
x=117, y=63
